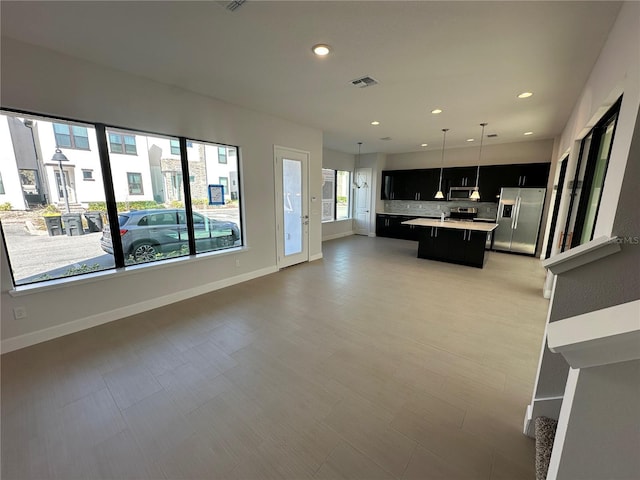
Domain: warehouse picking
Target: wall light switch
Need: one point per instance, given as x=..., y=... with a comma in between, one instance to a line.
x=20, y=313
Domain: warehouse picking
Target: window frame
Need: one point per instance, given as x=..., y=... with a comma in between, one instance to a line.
x=123, y=144
x=73, y=144
x=104, y=154
x=88, y=178
x=335, y=196
x=130, y=183
x=222, y=155
x=173, y=147
x=588, y=158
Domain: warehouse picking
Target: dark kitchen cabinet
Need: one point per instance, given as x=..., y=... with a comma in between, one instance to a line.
x=534, y=175
x=391, y=226
x=421, y=184
x=465, y=247
x=460, y=176
x=395, y=185
x=495, y=177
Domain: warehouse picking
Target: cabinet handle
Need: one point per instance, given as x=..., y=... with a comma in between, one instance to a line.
x=469, y=236
x=524, y=180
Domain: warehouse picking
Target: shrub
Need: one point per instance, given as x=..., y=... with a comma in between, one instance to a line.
x=176, y=204
x=123, y=206
x=5, y=207
x=50, y=211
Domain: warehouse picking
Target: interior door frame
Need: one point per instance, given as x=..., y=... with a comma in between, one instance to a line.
x=369, y=171
x=280, y=152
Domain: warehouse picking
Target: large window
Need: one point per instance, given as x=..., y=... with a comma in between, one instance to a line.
x=71, y=136
x=336, y=194
x=587, y=185
x=159, y=207
x=216, y=220
x=46, y=233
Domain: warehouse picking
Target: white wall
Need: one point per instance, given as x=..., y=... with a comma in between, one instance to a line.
x=337, y=161
x=537, y=151
x=40, y=80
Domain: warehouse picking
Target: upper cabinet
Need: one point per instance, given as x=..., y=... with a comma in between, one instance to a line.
x=422, y=184
x=460, y=176
x=410, y=184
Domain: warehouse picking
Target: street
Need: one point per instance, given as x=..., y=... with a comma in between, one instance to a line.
x=35, y=254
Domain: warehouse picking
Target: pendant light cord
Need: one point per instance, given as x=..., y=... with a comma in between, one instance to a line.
x=480, y=153
x=444, y=139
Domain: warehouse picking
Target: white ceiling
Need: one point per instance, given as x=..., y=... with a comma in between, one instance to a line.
x=469, y=58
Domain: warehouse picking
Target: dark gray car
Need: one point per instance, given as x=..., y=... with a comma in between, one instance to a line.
x=149, y=234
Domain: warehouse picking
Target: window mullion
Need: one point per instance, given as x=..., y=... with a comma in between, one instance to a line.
x=187, y=195
x=110, y=196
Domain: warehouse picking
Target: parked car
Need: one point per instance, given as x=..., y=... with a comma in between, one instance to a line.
x=147, y=233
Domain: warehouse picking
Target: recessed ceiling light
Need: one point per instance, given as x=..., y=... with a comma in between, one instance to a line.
x=436, y=111
x=470, y=139
x=375, y=122
x=321, y=49
x=528, y=133
x=525, y=95
x=424, y=144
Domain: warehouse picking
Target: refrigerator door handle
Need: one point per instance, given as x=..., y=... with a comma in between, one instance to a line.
x=518, y=203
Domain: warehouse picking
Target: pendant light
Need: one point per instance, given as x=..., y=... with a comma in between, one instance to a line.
x=355, y=181
x=475, y=195
x=444, y=139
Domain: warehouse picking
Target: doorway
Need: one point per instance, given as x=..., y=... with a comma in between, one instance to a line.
x=362, y=203
x=70, y=191
x=292, y=206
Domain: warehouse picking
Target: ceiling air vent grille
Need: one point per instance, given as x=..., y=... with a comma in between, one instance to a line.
x=492, y=135
x=363, y=82
x=385, y=139
x=233, y=5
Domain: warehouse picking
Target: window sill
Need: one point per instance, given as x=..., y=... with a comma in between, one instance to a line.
x=583, y=254
x=340, y=220
x=23, y=290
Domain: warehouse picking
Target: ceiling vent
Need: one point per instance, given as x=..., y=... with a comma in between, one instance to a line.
x=363, y=82
x=386, y=139
x=233, y=5
x=492, y=135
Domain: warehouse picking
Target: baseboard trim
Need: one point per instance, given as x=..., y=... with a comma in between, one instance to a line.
x=317, y=256
x=39, y=336
x=338, y=235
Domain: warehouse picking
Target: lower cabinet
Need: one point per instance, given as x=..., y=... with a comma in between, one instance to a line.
x=391, y=226
x=465, y=247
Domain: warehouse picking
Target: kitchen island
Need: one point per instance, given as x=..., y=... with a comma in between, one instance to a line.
x=453, y=241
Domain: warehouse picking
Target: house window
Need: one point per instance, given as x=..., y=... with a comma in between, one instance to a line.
x=336, y=194
x=587, y=185
x=127, y=199
x=224, y=181
x=31, y=262
x=121, y=143
x=175, y=147
x=222, y=155
x=71, y=136
x=135, y=183
x=1, y=185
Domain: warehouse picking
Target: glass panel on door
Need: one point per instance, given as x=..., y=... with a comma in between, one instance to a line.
x=292, y=201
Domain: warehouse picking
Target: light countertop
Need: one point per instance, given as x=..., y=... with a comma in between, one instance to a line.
x=453, y=224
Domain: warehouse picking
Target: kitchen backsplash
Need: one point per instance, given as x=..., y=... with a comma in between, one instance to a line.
x=410, y=207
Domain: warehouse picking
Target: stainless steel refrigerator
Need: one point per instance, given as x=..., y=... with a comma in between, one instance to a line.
x=519, y=214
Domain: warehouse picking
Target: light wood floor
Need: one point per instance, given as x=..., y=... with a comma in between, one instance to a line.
x=368, y=364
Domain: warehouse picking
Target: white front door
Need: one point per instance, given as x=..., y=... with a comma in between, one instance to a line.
x=362, y=204
x=292, y=206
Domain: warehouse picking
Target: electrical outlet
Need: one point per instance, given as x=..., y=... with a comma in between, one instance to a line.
x=237, y=262
x=19, y=313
